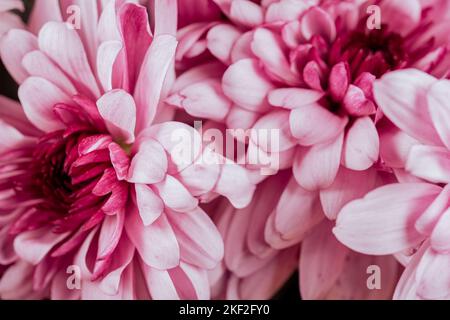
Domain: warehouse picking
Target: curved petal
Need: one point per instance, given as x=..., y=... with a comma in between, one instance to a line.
x=383, y=221
x=38, y=97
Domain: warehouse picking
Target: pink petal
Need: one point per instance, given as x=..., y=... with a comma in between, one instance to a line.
x=156, y=243
x=200, y=243
x=400, y=18
x=12, y=113
x=203, y=99
x=38, y=97
x=316, y=21
x=291, y=98
x=36, y=63
x=150, y=206
x=107, y=54
x=361, y=145
x=13, y=47
x=439, y=108
x=348, y=186
x=118, y=110
x=175, y=195
x=313, y=124
x=267, y=46
x=149, y=164
x=395, y=145
x=191, y=282
x=180, y=141
x=136, y=38
x=235, y=185
x=297, y=211
x=383, y=221
x=33, y=246
x=271, y=132
x=429, y=163
x=339, y=80
x=321, y=262
x=64, y=46
x=110, y=234
x=159, y=283
x=246, y=13
x=153, y=71
x=316, y=167
x=245, y=84
x=220, y=41
x=402, y=97
x=440, y=236
x=427, y=221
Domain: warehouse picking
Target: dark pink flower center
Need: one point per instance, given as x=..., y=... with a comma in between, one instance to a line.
x=68, y=180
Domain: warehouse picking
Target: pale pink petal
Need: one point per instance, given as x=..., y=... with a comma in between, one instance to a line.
x=220, y=41
x=439, y=107
x=361, y=145
x=154, y=69
x=118, y=110
x=149, y=164
x=271, y=132
x=427, y=221
x=191, y=282
x=36, y=63
x=202, y=99
x=13, y=47
x=291, y=98
x=399, y=17
x=316, y=167
x=316, y=21
x=394, y=146
x=322, y=260
x=175, y=195
x=245, y=84
x=348, y=185
x=313, y=124
x=440, y=238
x=150, y=206
x=159, y=283
x=65, y=47
x=429, y=163
x=235, y=185
x=38, y=98
x=246, y=13
x=383, y=221
x=200, y=243
x=267, y=46
x=401, y=95
x=33, y=246
x=156, y=243
x=106, y=57
x=296, y=208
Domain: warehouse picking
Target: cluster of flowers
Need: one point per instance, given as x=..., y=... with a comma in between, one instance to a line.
x=359, y=96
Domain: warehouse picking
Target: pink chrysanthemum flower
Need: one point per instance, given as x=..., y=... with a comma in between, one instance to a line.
x=90, y=179
x=8, y=19
x=307, y=68
x=411, y=218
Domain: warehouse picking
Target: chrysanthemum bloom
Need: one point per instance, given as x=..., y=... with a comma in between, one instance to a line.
x=96, y=200
x=307, y=68
x=411, y=218
x=8, y=19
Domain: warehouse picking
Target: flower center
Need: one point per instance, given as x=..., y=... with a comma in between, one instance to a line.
x=67, y=180
x=375, y=51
